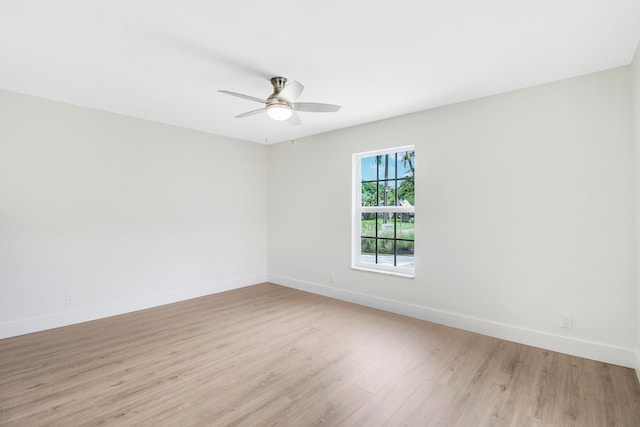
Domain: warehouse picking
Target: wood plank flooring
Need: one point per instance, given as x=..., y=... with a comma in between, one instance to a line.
x=271, y=356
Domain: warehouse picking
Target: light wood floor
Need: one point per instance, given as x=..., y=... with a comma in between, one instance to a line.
x=267, y=355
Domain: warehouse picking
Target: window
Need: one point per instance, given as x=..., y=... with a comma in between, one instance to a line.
x=384, y=213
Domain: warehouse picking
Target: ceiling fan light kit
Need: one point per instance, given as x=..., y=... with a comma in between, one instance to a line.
x=279, y=111
x=280, y=105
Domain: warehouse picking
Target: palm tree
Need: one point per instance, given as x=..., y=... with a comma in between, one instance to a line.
x=408, y=158
x=386, y=182
x=407, y=187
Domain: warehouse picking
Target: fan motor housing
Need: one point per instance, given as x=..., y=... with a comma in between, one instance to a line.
x=278, y=84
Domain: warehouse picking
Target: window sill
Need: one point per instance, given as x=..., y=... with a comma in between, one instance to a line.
x=387, y=272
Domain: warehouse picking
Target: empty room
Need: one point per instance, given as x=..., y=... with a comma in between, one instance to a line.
x=320, y=213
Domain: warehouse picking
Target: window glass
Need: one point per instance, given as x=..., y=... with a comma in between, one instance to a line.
x=384, y=228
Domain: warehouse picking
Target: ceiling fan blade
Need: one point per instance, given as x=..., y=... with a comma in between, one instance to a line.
x=251, y=113
x=294, y=120
x=315, y=107
x=239, y=95
x=291, y=92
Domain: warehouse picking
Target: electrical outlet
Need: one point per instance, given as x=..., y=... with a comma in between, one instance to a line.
x=566, y=320
x=69, y=299
x=332, y=277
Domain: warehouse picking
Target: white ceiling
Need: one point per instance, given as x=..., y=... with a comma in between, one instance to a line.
x=164, y=60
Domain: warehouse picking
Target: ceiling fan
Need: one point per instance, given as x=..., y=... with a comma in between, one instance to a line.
x=280, y=104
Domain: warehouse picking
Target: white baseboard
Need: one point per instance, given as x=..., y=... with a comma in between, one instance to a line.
x=576, y=347
x=85, y=314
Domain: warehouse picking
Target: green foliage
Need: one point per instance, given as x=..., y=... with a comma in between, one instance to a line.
x=405, y=248
x=391, y=199
x=406, y=191
x=368, y=194
x=404, y=230
x=385, y=247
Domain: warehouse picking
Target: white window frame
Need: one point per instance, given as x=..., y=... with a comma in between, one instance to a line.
x=358, y=210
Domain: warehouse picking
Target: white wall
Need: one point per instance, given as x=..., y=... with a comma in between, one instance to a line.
x=121, y=213
x=524, y=210
x=635, y=84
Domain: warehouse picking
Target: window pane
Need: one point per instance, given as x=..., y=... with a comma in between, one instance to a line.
x=405, y=254
x=368, y=167
x=405, y=226
x=406, y=164
x=368, y=194
x=386, y=166
x=381, y=192
x=404, y=247
x=386, y=225
x=391, y=193
x=387, y=193
x=385, y=251
x=368, y=225
x=406, y=192
x=380, y=164
x=368, y=251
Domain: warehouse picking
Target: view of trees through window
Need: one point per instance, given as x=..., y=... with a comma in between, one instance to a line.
x=387, y=235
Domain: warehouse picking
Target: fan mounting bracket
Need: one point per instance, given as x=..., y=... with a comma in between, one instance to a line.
x=278, y=84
